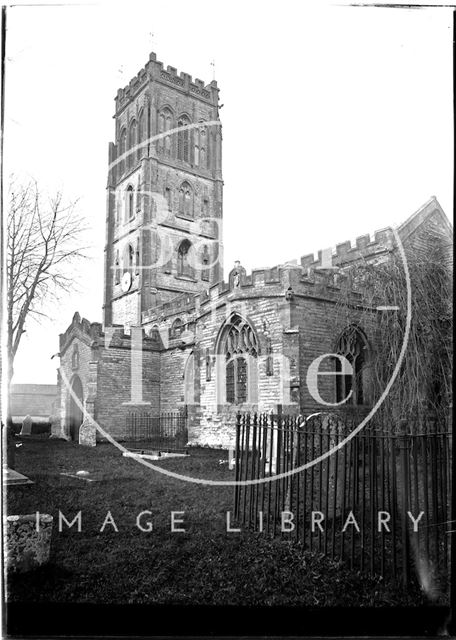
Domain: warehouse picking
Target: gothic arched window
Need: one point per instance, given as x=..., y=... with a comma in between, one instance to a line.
x=183, y=139
x=239, y=347
x=122, y=149
x=200, y=153
x=117, y=269
x=154, y=333
x=142, y=133
x=165, y=123
x=183, y=262
x=168, y=198
x=176, y=328
x=352, y=344
x=129, y=203
x=205, y=263
x=186, y=200
x=131, y=143
x=118, y=208
x=129, y=258
x=75, y=357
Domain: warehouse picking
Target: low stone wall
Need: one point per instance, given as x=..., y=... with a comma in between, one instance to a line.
x=27, y=544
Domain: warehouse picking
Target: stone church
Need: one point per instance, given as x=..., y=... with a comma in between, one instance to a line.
x=176, y=336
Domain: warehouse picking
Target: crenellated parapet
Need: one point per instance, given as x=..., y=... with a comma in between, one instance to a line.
x=365, y=248
x=288, y=281
x=155, y=70
x=324, y=276
x=90, y=331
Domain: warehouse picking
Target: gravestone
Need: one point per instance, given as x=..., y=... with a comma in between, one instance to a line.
x=27, y=423
x=27, y=541
x=88, y=433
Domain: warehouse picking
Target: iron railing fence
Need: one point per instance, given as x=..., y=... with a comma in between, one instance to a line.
x=357, y=504
x=167, y=432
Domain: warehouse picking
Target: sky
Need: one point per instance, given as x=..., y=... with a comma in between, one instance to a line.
x=337, y=121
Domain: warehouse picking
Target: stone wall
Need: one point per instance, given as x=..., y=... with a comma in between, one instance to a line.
x=116, y=396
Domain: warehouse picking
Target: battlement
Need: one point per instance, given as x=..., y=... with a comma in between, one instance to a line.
x=284, y=281
x=319, y=276
x=155, y=70
x=96, y=337
x=345, y=253
x=92, y=330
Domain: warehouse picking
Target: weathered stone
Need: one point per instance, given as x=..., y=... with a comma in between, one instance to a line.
x=88, y=433
x=27, y=541
x=27, y=423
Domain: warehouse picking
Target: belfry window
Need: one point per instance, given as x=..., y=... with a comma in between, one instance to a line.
x=165, y=123
x=129, y=204
x=240, y=350
x=168, y=198
x=117, y=269
x=186, y=200
x=122, y=150
x=129, y=258
x=205, y=263
x=142, y=133
x=352, y=344
x=131, y=144
x=183, y=262
x=200, y=155
x=183, y=139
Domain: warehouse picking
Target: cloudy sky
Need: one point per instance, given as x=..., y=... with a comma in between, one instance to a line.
x=337, y=120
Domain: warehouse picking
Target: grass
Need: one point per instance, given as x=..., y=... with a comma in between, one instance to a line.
x=204, y=565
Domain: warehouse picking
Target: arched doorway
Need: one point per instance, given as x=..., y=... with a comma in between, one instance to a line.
x=75, y=403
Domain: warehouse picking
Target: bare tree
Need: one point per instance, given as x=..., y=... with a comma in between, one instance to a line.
x=44, y=240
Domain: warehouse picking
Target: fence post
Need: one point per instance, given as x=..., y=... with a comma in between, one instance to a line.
x=237, y=466
x=405, y=491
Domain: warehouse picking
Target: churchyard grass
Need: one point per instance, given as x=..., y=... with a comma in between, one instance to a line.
x=204, y=565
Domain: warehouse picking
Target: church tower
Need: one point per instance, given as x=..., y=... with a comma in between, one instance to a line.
x=164, y=193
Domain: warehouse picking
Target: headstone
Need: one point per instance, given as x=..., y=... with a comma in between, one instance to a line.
x=27, y=541
x=27, y=423
x=88, y=433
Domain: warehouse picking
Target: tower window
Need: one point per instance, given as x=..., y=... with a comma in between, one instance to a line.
x=131, y=144
x=129, y=204
x=118, y=210
x=201, y=143
x=117, y=269
x=168, y=198
x=129, y=258
x=186, y=200
x=183, y=139
x=183, y=263
x=165, y=123
x=141, y=133
x=122, y=149
x=205, y=263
